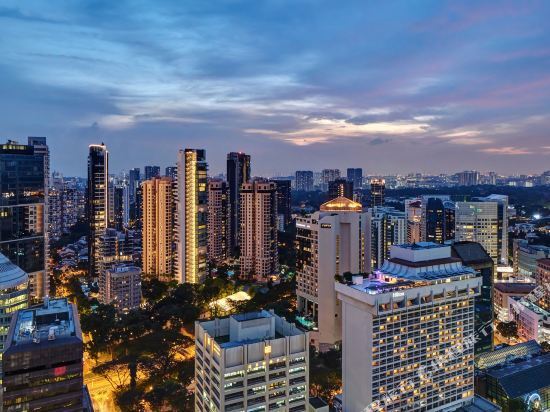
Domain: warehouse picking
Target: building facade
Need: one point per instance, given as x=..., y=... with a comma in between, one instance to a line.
x=218, y=221
x=340, y=188
x=251, y=362
x=238, y=172
x=158, y=227
x=284, y=203
x=120, y=285
x=400, y=326
x=413, y=212
x=388, y=227
x=259, y=257
x=97, y=202
x=438, y=219
x=377, y=192
x=23, y=222
x=304, y=180
x=526, y=256
x=331, y=242
x=191, y=216
x=355, y=175
x=42, y=361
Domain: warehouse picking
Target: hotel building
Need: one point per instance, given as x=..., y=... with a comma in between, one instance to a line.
x=400, y=328
x=158, y=227
x=251, y=362
x=191, y=216
x=259, y=255
x=330, y=242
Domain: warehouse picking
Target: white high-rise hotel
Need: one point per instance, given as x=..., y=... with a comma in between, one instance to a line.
x=399, y=327
x=331, y=242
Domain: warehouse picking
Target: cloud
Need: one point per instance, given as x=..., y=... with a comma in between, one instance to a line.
x=379, y=140
x=507, y=150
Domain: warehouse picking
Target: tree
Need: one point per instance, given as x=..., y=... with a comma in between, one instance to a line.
x=508, y=329
x=545, y=346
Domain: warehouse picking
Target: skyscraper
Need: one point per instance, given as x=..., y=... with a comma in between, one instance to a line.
x=284, y=203
x=171, y=171
x=330, y=242
x=218, y=221
x=22, y=213
x=413, y=212
x=97, y=202
x=355, y=175
x=152, y=171
x=340, y=188
x=158, y=227
x=238, y=172
x=259, y=254
x=377, y=192
x=191, y=218
x=119, y=203
x=327, y=176
x=468, y=178
x=133, y=184
x=304, y=180
x=402, y=327
x=479, y=222
x=438, y=219
x=388, y=227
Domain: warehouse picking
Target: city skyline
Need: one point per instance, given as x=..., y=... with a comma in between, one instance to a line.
x=390, y=88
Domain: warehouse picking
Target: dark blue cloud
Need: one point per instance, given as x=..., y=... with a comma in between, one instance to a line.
x=291, y=82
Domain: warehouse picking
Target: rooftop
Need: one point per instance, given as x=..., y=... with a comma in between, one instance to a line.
x=471, y=253
x=52, y=320
x=501, y=356
x=341, y=204
x=480, y=404
x=514, y=287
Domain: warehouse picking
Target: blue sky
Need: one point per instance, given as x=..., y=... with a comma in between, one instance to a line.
x=390, y=86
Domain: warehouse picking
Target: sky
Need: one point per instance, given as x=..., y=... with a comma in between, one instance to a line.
x=390, y=86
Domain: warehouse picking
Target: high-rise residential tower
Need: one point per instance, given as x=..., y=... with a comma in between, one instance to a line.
x=120, y=285
x=158, y=227
x=355, y=175
x=340, y=188
x=468, y=178
x=408, y=333
x=218, y=221
x=151, y=171
x=284, y=203
x=388, y=227
x=22, y=213
x=304, y=180
x=377, y=192
x=327, y=176
x=97, y=202
x=259, y=254
x=330, y=242
x=171, y=171
x=133, y=184
x=238, y=172
x=191, y=216
x=413, y=212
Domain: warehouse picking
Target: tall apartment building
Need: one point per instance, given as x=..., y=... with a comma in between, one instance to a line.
x=120, y=285
x=284, y=203
x=97, y=202
x=340, y=188
x=400, y=328
x=238, y=172
x=377, y=192
x=388, y=227
x=171, y=171
x=218, y=221
x=253, y=361
x=191, y=216
x=542, y=279
x=304, y=180
x=355, y=175
x=23, y=211
x=482, y=222
x=526, y=256
x=468, y=178
x=151, y=172
x=14, y=295
x=327, y=176
x=158, y=227
x=413, y=213
x=330, y=242
x=438, y=219
x=118, y=247
x=134, y=179
x=42, y=361
x=259, y=255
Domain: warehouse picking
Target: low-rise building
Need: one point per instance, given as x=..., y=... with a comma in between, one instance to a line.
x=253, y=361
x=504, y=291
x=533, y=322
x=526, y=255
